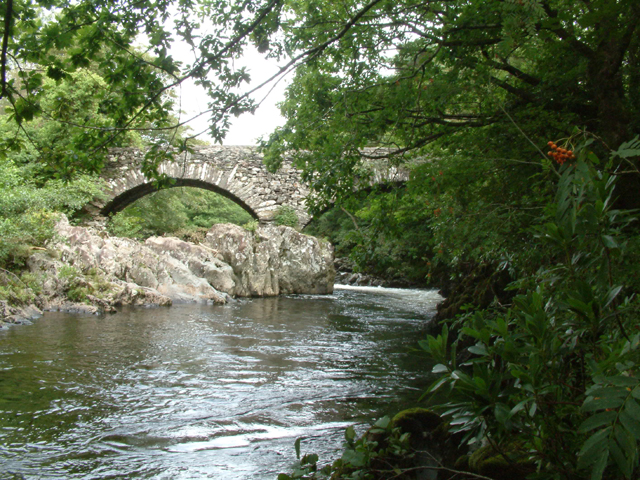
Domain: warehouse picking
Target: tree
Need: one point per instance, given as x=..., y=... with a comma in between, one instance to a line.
x=402, y=74
x=52, y=39
x=468, y=76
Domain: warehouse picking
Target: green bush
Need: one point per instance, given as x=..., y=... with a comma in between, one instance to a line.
x=554, y=380
x=178, y=211
x=286, y=216
x=251, y=226
x=28, y=210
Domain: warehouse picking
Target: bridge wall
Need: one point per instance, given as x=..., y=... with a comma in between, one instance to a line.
x=235, y=172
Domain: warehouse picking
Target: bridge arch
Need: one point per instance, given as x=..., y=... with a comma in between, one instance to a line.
x=125, y=199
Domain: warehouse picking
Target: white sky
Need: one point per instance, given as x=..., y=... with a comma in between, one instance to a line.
x=247, y=128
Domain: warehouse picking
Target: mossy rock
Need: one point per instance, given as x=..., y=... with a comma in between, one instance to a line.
x=489, y=463
x=416, y=421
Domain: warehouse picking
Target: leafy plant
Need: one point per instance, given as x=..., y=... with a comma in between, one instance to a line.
x=552, y=379
x=251, y=226
x=382, y=448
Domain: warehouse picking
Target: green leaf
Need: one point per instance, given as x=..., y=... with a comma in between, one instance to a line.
x=501, y=412
x=383, y=422
x=619, y=458
x=611, y=295
x=631, y=424
x=597, y=420
x=600, y=465
x=596, y=443
x=478, y=349
x=297, y=447
x=602, y=403
x=350, y=434
x=309, y=459
x=622, y=380
x=519, y=407
x=439, y=368
x=627, y=442
x=633, y=409
x=609, y=242
x=56, y=73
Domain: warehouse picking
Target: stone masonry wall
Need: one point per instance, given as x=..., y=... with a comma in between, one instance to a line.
x=235, y=171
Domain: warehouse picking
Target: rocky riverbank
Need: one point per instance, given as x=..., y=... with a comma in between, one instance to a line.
x=346, y=275
x=86, y=270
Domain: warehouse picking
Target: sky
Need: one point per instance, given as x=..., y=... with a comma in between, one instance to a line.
x=247, y=128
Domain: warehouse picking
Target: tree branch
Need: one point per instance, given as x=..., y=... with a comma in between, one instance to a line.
x=8, y=16
x=506, y=67
x=563, y=34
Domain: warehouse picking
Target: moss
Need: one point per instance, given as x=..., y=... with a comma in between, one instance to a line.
x=487, y=462
x=286, y=216
x=416, y=421
x=251, y=226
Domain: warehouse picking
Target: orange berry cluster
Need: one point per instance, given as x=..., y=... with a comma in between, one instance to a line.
x=560, y=155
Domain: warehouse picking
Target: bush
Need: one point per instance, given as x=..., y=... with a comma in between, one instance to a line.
x=554, y=379
x=28, y=211
x=286, y=216
x=251, y=226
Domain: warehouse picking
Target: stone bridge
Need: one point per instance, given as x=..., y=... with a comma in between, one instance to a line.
x=236, y=172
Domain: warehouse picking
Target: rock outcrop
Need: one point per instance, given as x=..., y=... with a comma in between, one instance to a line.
x=84, y=269
x=274, y=260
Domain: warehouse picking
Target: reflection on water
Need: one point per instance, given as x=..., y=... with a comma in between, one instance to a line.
x=196, y=391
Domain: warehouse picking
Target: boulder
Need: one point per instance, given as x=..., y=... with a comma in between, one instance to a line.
x=273, y=260
x=20, y=315
x=114, y=271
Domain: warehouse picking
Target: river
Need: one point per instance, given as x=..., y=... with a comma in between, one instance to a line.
x=197, y=391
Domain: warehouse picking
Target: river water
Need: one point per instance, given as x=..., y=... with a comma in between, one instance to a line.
x=197, y=391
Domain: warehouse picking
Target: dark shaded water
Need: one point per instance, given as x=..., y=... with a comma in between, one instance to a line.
x=197, y=391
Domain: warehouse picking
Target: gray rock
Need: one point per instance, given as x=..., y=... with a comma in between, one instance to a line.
x=274, y=260
x=86, y=271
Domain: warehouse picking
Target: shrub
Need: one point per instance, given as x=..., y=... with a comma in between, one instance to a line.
x=286, y=216
x=554, y=379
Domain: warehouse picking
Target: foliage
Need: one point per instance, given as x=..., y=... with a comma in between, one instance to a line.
x=251, y=226
x=360, y=457
x=556, y=373
x=54, y=40
x=451, y=215
x=19, y=290
x=286, y=216
x=78, y=286
x=180, y=211
x=382, y=73
x=27, y=211
x=460, y=79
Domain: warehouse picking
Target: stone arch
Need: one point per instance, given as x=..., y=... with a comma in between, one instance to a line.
x=128, y=197
x=237, y=172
